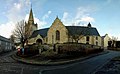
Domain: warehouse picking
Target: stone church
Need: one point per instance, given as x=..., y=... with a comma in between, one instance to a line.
x=59, y=33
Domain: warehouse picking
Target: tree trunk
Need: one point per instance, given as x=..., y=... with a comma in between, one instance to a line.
x=23, y=44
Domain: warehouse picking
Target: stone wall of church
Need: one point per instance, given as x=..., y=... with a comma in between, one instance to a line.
x=29, y=29
x=94, y=40
x=99, y=40
x=57, y=26
x=33, y=40
x=105, y=41
x=34, y=28
x=82, y=40
x=45, y=40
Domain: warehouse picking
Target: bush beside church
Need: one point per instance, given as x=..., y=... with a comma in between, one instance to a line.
x=77, y=48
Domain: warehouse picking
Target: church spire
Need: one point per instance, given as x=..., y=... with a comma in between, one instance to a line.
x=31, y=18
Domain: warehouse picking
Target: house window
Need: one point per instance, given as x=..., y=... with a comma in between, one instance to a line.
x=87, y=38
x=96, y=38
x=57, y=35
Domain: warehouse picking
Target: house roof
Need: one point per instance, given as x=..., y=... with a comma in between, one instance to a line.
x=4, y=39
x=73, y=30
x=42, y=32
x=105, y=35
x=78, y=30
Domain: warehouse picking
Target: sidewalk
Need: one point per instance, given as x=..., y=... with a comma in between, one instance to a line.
x=49, y=62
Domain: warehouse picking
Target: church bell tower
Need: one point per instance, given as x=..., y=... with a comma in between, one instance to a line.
x=30, y=26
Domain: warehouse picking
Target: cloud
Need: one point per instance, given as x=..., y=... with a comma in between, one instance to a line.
x=118, y=37
x=17, y=6
x=82, y=16
x=84, y=11
x=26, y=17
x=6, y=29
x=87, y=19
x=16, y=12
x=27, y=2
x=65, y=15
x=80, y=12
x=46, y=15
x=36, y=20
x=41, y=22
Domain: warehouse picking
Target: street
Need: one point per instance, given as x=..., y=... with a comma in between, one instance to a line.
x=85, y=67
x=10, y=66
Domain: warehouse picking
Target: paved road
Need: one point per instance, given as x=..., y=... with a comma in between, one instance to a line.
x=10, y=66
x=6, y=57
x=85, y=67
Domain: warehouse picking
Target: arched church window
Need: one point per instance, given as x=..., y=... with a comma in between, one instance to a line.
x=87, y=38
x=57, y=35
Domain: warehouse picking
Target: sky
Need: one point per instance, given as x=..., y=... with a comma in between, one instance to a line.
x=102, y=14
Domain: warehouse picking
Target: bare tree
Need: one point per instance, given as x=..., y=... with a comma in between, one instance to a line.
x=12, y=38
x=114, y=39
x=21, y=32
x=80, y=33
x=77, y=37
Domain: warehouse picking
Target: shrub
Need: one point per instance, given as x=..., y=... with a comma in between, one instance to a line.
x=93, y=50
x=46, y=47
x=31, y=50
x=77, y=49
x=71, y=49
x=48, y=54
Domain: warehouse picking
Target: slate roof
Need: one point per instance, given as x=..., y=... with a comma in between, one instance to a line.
x=73, y=30
x=78, y=30
x=42, y=32
x=4, y=39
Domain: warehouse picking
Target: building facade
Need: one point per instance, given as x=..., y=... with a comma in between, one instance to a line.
x=59, y=33
x=105, y=40
x=5, y=44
